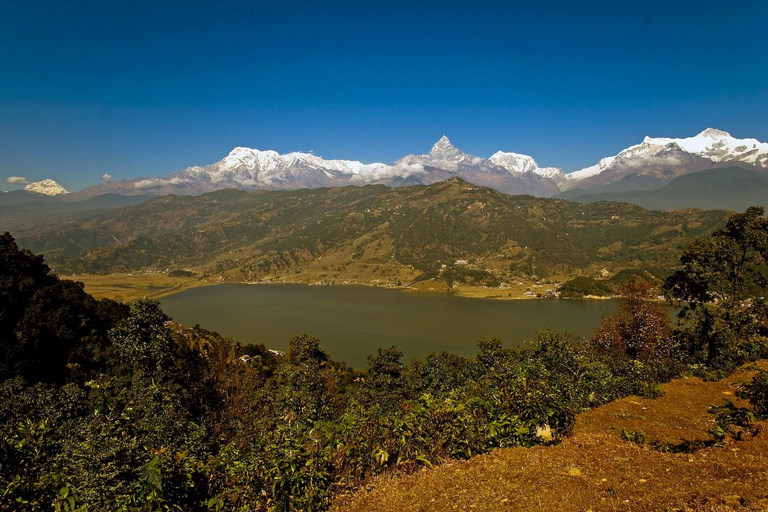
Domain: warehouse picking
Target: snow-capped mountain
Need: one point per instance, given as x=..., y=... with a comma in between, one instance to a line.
x=46, y=187
x=252, y=169
x=521, y=164
x=445, y=160
x=656, y=161
x=443, y=155
x=646, y=166
x=719, y=146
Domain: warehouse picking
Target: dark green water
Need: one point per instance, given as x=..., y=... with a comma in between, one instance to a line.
x=353, y=321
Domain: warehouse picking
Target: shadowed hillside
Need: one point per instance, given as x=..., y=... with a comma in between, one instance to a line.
x=732, y=188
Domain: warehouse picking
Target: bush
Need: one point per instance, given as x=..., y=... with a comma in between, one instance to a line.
x=756, y=391
x=640, y=327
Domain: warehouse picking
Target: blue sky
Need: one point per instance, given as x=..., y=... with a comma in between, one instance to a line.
x=134, y=88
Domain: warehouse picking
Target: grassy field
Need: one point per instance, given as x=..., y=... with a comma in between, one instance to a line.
x=595, y=469
x=128, y=287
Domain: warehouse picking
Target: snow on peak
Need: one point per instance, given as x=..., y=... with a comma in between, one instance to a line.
x=516, y=163
x=46, y=187
x=442, y=142
x=257, y=168
x=715, y=145
x=719, y=146
x=714, y=133
x=444, y=151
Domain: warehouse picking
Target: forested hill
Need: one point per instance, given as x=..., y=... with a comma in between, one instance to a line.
x=248, y=236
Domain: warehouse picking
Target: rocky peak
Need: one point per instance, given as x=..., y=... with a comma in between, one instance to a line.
x=444, y=151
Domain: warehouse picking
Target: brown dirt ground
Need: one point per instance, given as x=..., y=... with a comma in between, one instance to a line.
x=595, y=469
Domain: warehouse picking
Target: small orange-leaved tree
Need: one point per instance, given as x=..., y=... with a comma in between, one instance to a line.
x=639, y=329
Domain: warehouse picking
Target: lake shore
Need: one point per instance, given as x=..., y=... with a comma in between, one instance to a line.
x=352, y=322
x=129, y=287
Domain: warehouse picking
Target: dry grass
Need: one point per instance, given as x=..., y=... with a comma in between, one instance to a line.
x=594, y=469
x=128, y=287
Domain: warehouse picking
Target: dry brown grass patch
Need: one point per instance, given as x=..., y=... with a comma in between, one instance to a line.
x=595, y=469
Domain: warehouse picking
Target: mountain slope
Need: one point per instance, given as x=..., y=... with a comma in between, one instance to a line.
x=360, y=232
x=22, y=210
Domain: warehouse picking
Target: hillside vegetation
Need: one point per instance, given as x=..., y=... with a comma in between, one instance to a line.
x=110, y=407
x=632, y=454
x=372, y=234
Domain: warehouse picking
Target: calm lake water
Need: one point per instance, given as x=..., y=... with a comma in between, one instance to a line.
x=353, y=321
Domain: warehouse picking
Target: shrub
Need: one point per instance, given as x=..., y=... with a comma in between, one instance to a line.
x=756, y=391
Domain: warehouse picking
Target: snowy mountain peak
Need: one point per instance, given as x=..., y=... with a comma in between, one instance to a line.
x=516, y=163
x=441, y=146
x=239, y=151
x=661, y=154
x=443, y=150
x=648, y=165
x=46, y=187
x=714, y=133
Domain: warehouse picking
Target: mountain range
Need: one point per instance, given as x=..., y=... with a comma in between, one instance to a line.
x=649, y=165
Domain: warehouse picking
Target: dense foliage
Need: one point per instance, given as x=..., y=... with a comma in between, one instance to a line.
x=583, y=286
x=721, y=287
x=125, y=410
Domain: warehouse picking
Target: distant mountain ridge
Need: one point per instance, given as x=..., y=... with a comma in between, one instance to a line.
x=20, y=209
x=649, y=165
x=730, y=188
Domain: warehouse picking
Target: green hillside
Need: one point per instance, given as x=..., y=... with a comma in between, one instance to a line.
x=370, y=234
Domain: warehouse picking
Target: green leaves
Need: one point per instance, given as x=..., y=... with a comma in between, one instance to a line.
x=720, y=283
x=152, y=477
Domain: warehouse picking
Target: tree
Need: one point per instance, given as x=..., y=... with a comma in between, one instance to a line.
x=48, y=326
x=302, y=380
x=384, y=384
x=721, y=285
x=144, y=342
x=305, y=350
x=728, y=267
x=640, y=327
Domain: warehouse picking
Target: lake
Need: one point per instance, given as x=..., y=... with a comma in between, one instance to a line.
x=353, y=321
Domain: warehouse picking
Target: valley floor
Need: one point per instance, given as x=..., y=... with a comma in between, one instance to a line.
x=128, y=287
x=595, y=469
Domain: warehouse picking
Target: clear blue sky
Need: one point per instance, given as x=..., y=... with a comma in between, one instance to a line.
x=135, y=88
